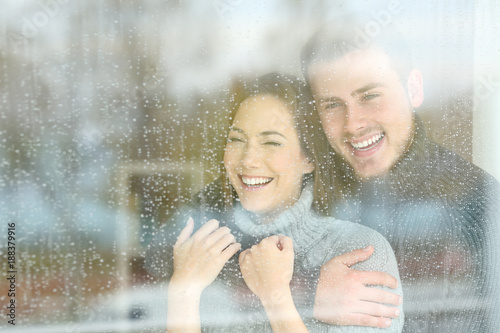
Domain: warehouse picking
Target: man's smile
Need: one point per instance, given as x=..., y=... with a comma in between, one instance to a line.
x=368, y=143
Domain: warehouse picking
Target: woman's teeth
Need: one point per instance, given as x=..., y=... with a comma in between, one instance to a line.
x=367, y=144
x=255, y=180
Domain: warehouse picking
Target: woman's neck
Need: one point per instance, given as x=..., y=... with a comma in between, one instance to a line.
x=267, y=218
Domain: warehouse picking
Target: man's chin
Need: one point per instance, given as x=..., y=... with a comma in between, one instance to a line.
x=365, y=169
x=369, y=172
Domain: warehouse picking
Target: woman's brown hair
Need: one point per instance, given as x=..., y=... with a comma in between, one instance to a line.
x=297, y=97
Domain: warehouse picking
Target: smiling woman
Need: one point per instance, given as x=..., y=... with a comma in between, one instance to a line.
x=275, y=130
x=263, y=158
x=271, y=205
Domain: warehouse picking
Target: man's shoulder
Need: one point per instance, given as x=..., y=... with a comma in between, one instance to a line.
x=452, y=178
x=448, y=165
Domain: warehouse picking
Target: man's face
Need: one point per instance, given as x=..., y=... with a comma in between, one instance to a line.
x=365, y=110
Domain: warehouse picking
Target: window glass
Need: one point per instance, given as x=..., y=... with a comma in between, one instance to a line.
x=112, y=114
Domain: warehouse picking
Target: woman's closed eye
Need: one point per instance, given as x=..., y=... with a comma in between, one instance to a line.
x=333, y=105
x=272, y=143
x=234, y=140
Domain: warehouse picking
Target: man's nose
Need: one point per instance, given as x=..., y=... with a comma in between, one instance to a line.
x=355, y=118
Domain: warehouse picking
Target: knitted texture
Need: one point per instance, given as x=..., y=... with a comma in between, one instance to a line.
x=440, y=213
x=229, y=306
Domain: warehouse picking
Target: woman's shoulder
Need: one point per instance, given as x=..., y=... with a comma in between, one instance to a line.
x=345, y=236
x=351, y=232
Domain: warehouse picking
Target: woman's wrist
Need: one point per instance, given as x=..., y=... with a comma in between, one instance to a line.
x=183, y=308
x=181, y=289
x=277, y=298
x=282, y=313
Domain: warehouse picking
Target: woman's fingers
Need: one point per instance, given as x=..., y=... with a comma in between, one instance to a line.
x=286, y=243
x=222, y=242
x=218, y=237
x=230, y=251
x=210, y=233
x=209, y=240
x=206, y=229
x=186, y=232
x=199, y=257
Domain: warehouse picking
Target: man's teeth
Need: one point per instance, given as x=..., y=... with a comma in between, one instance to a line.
x=363, y=145
x=255, y=180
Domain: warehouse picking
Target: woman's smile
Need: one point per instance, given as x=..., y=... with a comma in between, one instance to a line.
x=253, y=183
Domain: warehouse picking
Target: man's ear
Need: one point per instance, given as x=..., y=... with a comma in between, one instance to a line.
x=415, y=87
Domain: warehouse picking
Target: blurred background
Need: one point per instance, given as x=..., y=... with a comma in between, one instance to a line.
x=111, y=117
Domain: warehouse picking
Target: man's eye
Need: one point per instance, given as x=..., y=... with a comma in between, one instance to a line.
x=369, y=96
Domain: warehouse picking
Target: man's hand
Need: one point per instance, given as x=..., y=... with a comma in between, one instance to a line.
x=344, y=298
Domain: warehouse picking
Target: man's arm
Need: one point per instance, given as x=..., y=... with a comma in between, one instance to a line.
x=343, y=295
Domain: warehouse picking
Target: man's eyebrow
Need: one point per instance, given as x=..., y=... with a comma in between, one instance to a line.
x=271, y=133
x=359, y=91
x=366, y=88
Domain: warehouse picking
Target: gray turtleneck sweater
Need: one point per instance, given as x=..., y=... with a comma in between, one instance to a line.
x=229, y=306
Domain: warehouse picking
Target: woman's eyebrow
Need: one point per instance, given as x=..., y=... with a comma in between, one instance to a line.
x=236, y=129
x=271, y=133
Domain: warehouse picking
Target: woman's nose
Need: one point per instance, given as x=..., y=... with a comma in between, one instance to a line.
x=251, y=157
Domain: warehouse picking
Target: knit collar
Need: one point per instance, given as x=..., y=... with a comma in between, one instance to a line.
x=298, y=222
x=415, y=159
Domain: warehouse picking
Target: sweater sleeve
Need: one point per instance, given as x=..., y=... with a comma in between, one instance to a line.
x=383, y=260
x=480, y=212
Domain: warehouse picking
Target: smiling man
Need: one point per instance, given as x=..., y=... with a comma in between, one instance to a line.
x=439, y=212
x=365, y=110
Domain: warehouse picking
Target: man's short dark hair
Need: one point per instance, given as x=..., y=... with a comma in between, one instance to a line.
x=336, y=38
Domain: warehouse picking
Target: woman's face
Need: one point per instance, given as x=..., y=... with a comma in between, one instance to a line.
x=263, y=157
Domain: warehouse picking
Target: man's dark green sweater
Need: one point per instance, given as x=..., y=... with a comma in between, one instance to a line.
x=441, y=215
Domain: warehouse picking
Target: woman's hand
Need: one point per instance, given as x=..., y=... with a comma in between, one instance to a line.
x=199, y=258
x=268, y=268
